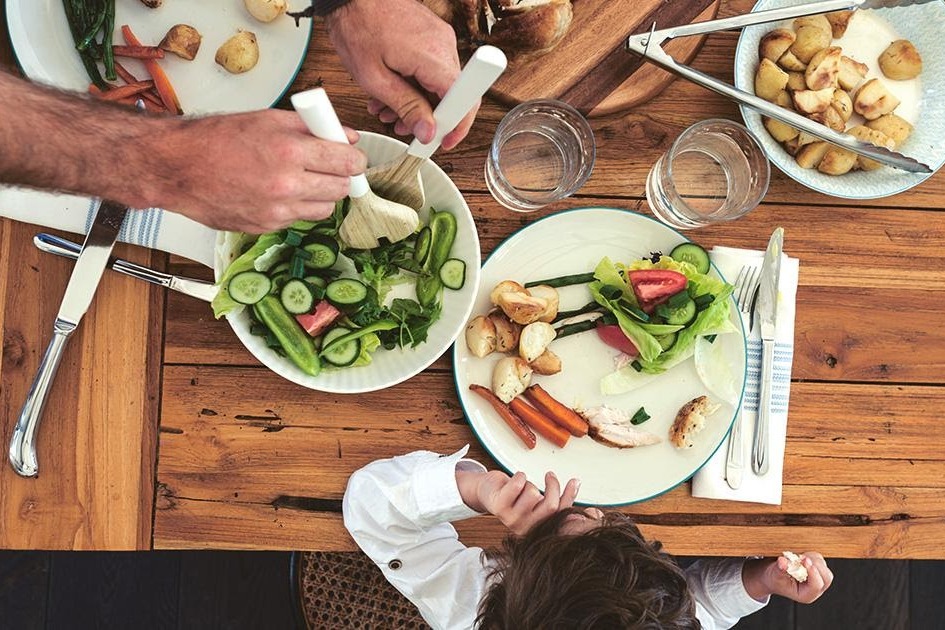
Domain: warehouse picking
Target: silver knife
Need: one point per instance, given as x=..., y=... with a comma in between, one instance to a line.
x=199, y=289
x=767, y=313
x=79, y=293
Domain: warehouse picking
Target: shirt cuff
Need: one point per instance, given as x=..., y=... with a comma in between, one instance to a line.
x=730, y=580
x=435, y=490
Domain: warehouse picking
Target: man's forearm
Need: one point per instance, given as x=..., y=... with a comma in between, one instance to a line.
x=54, y=140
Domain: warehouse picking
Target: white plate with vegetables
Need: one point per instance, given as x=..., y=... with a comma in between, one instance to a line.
x=45, y=49
x=662, y=318
x=348, y=321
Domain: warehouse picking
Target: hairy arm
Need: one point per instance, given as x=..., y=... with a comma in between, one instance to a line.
x=254, y=172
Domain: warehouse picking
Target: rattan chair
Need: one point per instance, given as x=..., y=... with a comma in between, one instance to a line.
x=341, y=590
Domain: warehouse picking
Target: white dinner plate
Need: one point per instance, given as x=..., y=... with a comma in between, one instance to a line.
x=388, y=367
x=574, y=242
x=46, y=53
x=869, y=33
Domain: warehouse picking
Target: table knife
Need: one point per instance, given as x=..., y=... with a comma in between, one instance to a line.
x=78, y=296
x=767, y=314
x=199, y=289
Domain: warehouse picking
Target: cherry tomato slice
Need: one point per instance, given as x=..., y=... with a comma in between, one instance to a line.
x=613, y=336
x=655, y=286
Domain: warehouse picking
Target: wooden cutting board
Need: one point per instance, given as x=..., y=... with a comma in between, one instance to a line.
x=591, y=69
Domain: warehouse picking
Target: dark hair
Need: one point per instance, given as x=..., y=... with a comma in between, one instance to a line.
x=607, y=578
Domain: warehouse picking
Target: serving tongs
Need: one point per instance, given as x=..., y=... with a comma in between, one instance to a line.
x=650, y=47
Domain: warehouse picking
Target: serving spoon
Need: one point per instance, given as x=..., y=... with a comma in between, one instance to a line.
x=369, y=216
x=399, y=179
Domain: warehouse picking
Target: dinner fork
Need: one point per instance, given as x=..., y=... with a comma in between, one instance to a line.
x=746, y=287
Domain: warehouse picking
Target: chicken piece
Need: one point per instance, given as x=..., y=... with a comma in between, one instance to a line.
x=690, y=420
x=612, y=427
x=795, y=568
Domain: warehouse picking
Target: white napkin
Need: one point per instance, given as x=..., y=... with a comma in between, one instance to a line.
x=709, y=482
x=150, y=227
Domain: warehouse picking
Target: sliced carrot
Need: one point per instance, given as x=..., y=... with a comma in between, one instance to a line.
x=161, y=83
x=515, y=423
x=560, y=413
x=138, y=52
x=539, y=422
x=125, y=91
x=126, y=76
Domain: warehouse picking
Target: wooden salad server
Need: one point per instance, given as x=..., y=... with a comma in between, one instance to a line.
x=399, y=179
x=369, y=216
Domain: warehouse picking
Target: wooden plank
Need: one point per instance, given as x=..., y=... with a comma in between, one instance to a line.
x=877, y=598
x=96, y=444
x=234, y=590
x=849, y=306
x=24, y=583
x=113, y=590
x=627, y=144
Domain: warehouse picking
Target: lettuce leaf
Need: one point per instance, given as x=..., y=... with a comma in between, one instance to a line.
x=222, y=303
x=646, y=343
x=369, y=343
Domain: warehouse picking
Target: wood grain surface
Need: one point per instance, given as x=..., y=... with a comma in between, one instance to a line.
x=248, y=460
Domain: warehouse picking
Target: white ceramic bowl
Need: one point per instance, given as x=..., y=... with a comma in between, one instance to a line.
x=389, y=367
x=923, y=25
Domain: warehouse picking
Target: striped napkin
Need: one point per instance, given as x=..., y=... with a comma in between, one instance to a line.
x=709, y=482
x=150, y=227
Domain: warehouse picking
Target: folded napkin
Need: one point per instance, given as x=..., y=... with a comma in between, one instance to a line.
x=709, y=482
x=150, y=227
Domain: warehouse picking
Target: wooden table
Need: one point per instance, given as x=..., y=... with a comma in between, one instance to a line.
x=163, y=432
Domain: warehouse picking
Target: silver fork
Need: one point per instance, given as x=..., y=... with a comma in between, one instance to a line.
x=746, y=287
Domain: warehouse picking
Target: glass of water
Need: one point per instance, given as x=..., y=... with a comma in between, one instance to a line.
x=543, y=151
x=715, y=171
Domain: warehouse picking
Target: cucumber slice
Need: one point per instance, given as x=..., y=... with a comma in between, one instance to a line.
x=680, y=315
x=249, y=287
x=296, y=297
x=317, y=281
x=692, y=254
x=346, y=293
x=666, y=341
x=343, y=354
x=322, y=250
x=453, y=274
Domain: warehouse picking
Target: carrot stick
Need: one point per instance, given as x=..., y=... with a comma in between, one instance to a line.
x=561, y=414
x=151, y=97
x=138, y=52
x=161, y=83
x=95, y=90
x=515, y=423
x=125, y=91
x=539, y=422
x=126, y=76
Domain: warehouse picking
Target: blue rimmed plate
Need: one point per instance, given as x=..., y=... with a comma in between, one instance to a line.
x=574, y=242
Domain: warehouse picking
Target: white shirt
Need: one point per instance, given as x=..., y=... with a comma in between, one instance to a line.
x=399, y=512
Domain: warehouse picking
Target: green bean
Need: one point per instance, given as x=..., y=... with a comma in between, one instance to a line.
x=592, y=307
x=563, y=281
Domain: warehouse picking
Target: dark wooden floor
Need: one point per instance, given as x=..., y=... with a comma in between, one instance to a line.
x=209, y=590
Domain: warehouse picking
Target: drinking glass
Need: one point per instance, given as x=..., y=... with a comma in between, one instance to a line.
x=715, y=171
x=543, y=151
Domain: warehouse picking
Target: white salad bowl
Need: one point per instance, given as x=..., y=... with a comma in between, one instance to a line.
x=388, y=367
x=922, y=103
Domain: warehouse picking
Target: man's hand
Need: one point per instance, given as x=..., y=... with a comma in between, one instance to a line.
x=254, y=172
x=769, y=577
x=401, y=53
x=517, y=502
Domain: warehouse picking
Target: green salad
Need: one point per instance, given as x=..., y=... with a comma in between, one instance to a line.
x=318, y=303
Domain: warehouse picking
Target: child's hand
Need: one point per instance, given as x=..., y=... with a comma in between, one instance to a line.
x=514, y=500
x=769, y=577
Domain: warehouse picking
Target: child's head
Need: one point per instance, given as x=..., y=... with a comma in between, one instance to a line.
x=606, y=577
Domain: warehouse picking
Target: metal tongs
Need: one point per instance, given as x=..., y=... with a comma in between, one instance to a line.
x=650, y=47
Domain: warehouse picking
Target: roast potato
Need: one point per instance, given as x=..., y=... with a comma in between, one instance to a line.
x=810, y=40
x=796, y=81
x=239, y=54
x=783, y=99
x=265, y=10
x=480, y=336
x=775, y=43
x=810, y=155
x=839, y=20
x=791, y=63
x=550, y=296
x=837, y=161
x=813, y=101
x=873, y=100
x=851, y=72
x=818, y=21
x=548, y=363
x=506, y=286
x=877, y=138
x=534, y=340
x=183, y=40
x=769, y=80
x=780, y=131
x=900, y=61
x=895, y=128
x=823, y=69
x=506, y=332
x=831, y=118
x=843, y=104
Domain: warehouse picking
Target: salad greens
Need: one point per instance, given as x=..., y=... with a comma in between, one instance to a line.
x=348, y=305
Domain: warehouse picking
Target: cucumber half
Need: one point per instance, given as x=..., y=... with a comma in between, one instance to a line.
x=344, y=354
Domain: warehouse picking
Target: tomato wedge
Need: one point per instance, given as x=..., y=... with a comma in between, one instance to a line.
x=613, y=336
x=655, y=286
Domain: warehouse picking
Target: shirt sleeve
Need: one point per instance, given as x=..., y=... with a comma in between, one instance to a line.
x=721, y=598
x=399, y=511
